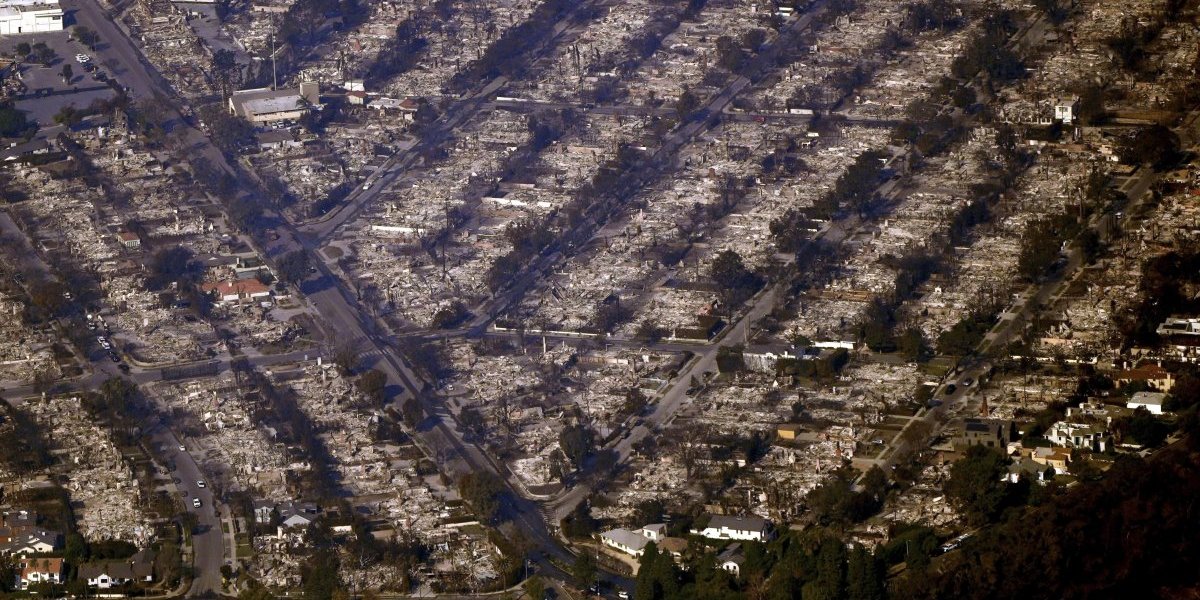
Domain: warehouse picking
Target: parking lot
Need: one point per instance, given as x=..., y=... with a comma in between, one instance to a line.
x=46, y=92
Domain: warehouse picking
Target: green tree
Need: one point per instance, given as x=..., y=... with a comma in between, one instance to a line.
x=230, y=133
x=1091, y=105
x=225, y=70
x=580, y=524
x=12, y=121
x=372, y=384
x=730, y=54
x=831, y=569
x=85, y=36
x=319, y=576
x=635, y=402
x=687, y=104
x=172, y=265
x=412, y=412
x=577, y=442
x=1146, y=429
x=658, y=576
x=188, y=522
x=534, y=588
x=975, y=484
x=472, y=421
x=650, y=332
x=68, y=116
x=864, y=578
x=74, y=549
x=875, y=329
x=1042, y=244
x=484, y=492
x=963, y=97
x=117, y=397
x=449, y=317
x=44, y=54
x=962, y=338
x=583, y=570
x=737, y=283
x=1156, y=146
x=912, y=345
x=855, y=187
x=294, y=266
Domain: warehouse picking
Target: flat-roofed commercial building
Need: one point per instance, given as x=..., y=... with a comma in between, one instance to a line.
x=30, y=16
x=265, y=105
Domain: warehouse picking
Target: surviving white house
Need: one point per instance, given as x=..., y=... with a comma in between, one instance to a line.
x=1151, y=401
x=731, y=559
x=297, y=514
x=725, y=527
x=634, y=542
x=1079, y=435
x=30, y=16
x=1066, y=110
x=626, y=541
x=113, y=573
x=20, y=534
x=263, y=511
x=32, y=542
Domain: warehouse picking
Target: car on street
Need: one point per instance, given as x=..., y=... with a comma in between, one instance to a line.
x=200, y=483
x=950, y=389
x=182, y=448
x=196, y=502
x=82, y=58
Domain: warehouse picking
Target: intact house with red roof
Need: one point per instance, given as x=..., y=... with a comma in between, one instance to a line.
x=39, y=570
x=1151, y=374
x=237, y=292
x=129, y=239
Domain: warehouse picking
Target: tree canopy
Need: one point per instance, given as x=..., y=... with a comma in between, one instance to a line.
x=975, y=483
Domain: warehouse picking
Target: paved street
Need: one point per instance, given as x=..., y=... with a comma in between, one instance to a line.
x=207, y=539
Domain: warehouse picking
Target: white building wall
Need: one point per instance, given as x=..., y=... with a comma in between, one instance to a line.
x=18, y=18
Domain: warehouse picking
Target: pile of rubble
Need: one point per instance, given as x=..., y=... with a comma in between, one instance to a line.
x=171, y=45
x=106, y=497
x=231, y=447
